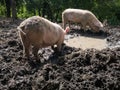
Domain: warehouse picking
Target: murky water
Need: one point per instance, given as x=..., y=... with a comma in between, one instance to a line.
x=87, y=42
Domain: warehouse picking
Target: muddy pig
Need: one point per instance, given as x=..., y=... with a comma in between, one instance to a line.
x=39, y=32
x=83, y=17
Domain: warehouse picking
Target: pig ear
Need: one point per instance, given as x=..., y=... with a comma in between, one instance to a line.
x=67, y=29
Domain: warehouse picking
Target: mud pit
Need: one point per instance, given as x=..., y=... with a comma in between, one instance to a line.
x=74, y=69
x=86, y=42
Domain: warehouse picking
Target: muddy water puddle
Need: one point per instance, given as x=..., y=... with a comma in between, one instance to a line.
x=86, y=42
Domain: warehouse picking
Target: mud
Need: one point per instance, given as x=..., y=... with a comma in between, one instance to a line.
x=73, y=69
x=86, y=42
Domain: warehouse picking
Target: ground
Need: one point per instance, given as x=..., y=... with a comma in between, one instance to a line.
x=74, y=69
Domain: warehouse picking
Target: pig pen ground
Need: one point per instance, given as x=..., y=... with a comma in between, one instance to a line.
x=74, y=69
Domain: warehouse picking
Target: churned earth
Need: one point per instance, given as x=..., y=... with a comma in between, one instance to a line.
x=82, y=65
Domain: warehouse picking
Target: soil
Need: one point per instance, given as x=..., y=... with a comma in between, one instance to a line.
x=73, y=69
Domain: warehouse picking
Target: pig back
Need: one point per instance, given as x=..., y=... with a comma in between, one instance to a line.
x=73, y=15
x=41, y=32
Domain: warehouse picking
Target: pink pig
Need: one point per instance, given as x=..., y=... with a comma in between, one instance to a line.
x=83, y=17
x=40, y=32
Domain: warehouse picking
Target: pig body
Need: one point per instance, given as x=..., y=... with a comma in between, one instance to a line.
x=40, y=32
x=83, y=17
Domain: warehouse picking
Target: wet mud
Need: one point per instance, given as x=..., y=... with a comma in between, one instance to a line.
x=73, y=69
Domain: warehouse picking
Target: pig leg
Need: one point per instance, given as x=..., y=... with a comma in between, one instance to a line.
x=53, y=48
x=80, y=25
x=26, y=45
x=84, y=26
x=59, y=45
x=70, y=24
x=35, y=52
x=64, y=25
x=27, y=48
x=59, y=49
x=64, y=21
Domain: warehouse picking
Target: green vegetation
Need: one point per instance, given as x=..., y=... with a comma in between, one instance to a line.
x=52, y=9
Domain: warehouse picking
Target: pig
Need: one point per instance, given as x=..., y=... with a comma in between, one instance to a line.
x=39, y=32
x=83, y=17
